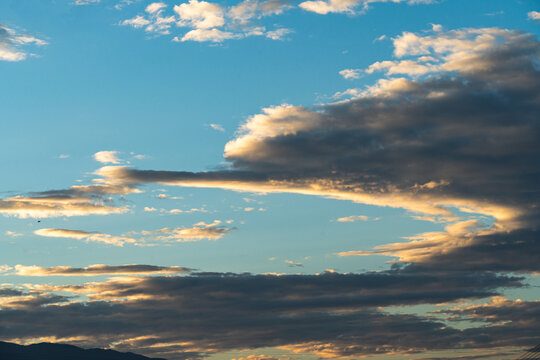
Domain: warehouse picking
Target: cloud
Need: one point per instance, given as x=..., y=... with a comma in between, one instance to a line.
x=534, y=15
x=332, y=315
x=211, y=22
x=278, y=34
x=137, y=22
x=96, y=270
x=350, y=73
x=55, y=206
x=180, y=211
x=245, y=11
x=96, y=198
x=13, y=233
x=11, y=43
x=4, y=268
x=141, y=157
x=446, y=145
x=153, y=21
x=199, y=231
x=217, y=127
x=354, y=218
x=203, y=35
x=155, y=7
x=87, y=236
x=200, y=14
x=294, y=264
x=86, y=2
x=348, y=6
x=107, y=157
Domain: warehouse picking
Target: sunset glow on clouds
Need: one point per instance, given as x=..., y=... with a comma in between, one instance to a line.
x=281, y=140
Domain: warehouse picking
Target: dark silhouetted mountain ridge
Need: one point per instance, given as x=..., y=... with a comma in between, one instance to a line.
x=48, y=351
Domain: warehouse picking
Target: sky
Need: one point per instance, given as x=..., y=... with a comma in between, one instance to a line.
x=271, y=180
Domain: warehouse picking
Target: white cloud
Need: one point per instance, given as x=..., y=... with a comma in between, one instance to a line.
x=203, y=35
x=137, y=22
x=199, y=231
x=107, y=157
x=217, y=127
x=353, y=218
x=350, y=73
x=180, y=211
x=155, y=7
x=13, y=233
x=348, y=6
x=278, y=34
x=149, y=209
x=200, y=14
x=86, y=2
x=247, y=10
x=330, y=6
x=11, y=43
x=123, y=3
x=140, y=157
x=154, y=23
x=534, y=15
x=211, y=22
x=440, y=52
x=84, y=235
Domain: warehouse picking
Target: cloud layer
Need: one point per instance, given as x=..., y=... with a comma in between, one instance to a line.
x=331, y=315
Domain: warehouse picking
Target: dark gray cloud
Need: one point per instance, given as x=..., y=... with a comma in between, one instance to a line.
x=330, y=313
x=10, y=292
x=502, y=315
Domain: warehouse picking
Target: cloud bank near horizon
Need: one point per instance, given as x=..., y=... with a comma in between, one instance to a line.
x=330, y=315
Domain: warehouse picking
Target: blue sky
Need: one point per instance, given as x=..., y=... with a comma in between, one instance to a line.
x=325, y=141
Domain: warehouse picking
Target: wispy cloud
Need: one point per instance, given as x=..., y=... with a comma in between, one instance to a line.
x=86, y=236
x=96, y=270
x=197, y=232
x=354, y=218
x=348, y=6
x=217, y=127
x=12, y=44
x=13, y=233
x=86, y=2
